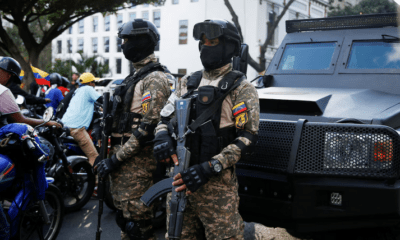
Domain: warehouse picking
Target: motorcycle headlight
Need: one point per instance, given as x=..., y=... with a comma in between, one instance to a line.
x=357, y=151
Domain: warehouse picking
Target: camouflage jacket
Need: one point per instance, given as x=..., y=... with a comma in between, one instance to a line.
x=244, y=96
x=149, y=96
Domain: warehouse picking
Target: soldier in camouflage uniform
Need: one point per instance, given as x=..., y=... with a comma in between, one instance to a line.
x=217, y=144
x=136, y=111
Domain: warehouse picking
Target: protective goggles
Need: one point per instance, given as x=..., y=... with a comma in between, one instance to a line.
x=211, y=30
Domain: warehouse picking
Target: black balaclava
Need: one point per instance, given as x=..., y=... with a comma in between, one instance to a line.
x=213, y=57
x=138, y=48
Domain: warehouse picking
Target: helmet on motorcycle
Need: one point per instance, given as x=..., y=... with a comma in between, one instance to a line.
x=7, y=172
x=65, y=82
x=12, y=66
x=55, y=78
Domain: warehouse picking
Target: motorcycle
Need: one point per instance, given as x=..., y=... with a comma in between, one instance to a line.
x=31, y=111
x=32, y=204
x=73, y=174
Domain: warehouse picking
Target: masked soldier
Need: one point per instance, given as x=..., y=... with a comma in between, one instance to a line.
x=136, y=112
x=219, y=141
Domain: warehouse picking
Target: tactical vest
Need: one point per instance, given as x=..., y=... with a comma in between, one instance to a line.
x=209, y=139
x=123, y=118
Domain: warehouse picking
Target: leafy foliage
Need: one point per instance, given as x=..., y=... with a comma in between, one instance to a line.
x=84, y=64
x=38, y=22
x=364, y=7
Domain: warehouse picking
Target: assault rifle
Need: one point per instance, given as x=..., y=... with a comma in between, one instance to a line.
x=178, y=200
x=103, y=153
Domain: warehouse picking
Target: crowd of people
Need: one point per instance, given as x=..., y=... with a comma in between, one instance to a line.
x=141, y=137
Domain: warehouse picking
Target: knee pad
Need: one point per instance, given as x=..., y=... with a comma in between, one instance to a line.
x=133, y=229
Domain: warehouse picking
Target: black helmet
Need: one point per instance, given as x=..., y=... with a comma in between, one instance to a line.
x=12, y=66
x=137, y=27
x=65, y=82
x=55, y=78
x=214, y=28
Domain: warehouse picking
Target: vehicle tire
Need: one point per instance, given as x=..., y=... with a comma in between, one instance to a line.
x=108, y=198
x=75, y=199
x=32, y=224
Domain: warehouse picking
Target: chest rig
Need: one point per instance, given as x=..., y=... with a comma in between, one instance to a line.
x=121, y=111
x=209, y=139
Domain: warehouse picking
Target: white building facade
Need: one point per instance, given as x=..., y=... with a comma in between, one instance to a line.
x=175, y=20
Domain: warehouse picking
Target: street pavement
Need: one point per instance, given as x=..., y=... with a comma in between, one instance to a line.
x=83, y=225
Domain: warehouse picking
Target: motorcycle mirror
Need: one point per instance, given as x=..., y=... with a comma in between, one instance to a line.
x=60, y=106
x=20, y=99
x=48, y=114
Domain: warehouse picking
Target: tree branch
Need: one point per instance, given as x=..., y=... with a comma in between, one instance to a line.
x=235, y=18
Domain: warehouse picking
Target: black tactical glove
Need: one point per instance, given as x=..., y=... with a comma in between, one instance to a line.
x=163, y=146
x=107, y=165
x=196, y=176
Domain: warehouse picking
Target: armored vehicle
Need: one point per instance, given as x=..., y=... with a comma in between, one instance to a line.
x=328, y=153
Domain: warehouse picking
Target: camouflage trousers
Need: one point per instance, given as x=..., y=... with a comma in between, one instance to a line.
x=213, y=210
x=129, y=182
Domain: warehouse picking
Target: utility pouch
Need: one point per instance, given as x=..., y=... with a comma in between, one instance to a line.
x=127, y=120
x=209, y=141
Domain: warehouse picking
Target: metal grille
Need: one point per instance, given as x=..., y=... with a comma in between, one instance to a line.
x=273, y=146
x=348, y=150
x=348, y=22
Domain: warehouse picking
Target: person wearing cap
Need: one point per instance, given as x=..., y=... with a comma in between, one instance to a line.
x=79, y=114
x=218, y=140
x=142, y=96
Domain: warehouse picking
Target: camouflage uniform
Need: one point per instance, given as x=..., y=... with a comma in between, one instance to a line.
x=134, y=176
x=215, y=205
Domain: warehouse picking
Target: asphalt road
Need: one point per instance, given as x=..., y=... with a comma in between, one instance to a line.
x=83, y=225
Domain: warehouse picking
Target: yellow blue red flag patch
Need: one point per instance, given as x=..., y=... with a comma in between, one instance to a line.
x=239, y=108
x=146, y=96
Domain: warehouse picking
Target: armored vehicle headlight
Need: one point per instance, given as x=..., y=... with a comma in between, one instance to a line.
x=357, y=151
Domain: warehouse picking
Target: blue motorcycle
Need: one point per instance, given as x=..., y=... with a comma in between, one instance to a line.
x=33, y=207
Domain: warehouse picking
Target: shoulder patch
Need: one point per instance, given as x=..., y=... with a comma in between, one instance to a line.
x=241, y=120
x=146, y=96
x=239, y=108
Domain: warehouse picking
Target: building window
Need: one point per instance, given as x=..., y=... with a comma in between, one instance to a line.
x=119, y=42
x=94, y=45
x=145, y=15
x=81, y=26
x=80, y=44
x=106, y=44
x=107, y=23
x=119, y=66
x=59, y=46
x=273, y=12
x=182, y=71
x=132, y=16
x=70, y=30
x=119, y=21
x=95, y=24
x=69, y=45
x=183, y=31
x=156, y=18
x=175, y=1
x=106, y=63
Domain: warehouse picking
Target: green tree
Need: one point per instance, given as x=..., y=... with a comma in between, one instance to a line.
x=51, y=17
x=84, y=64
x=363, y=7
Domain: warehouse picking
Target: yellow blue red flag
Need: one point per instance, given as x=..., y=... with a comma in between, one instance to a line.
x=42, y=77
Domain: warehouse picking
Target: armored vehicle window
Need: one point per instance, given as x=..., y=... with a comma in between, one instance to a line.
x=307, y=56
x=374, y=55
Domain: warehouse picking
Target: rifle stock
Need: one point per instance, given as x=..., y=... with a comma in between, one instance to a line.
x=103, y=154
